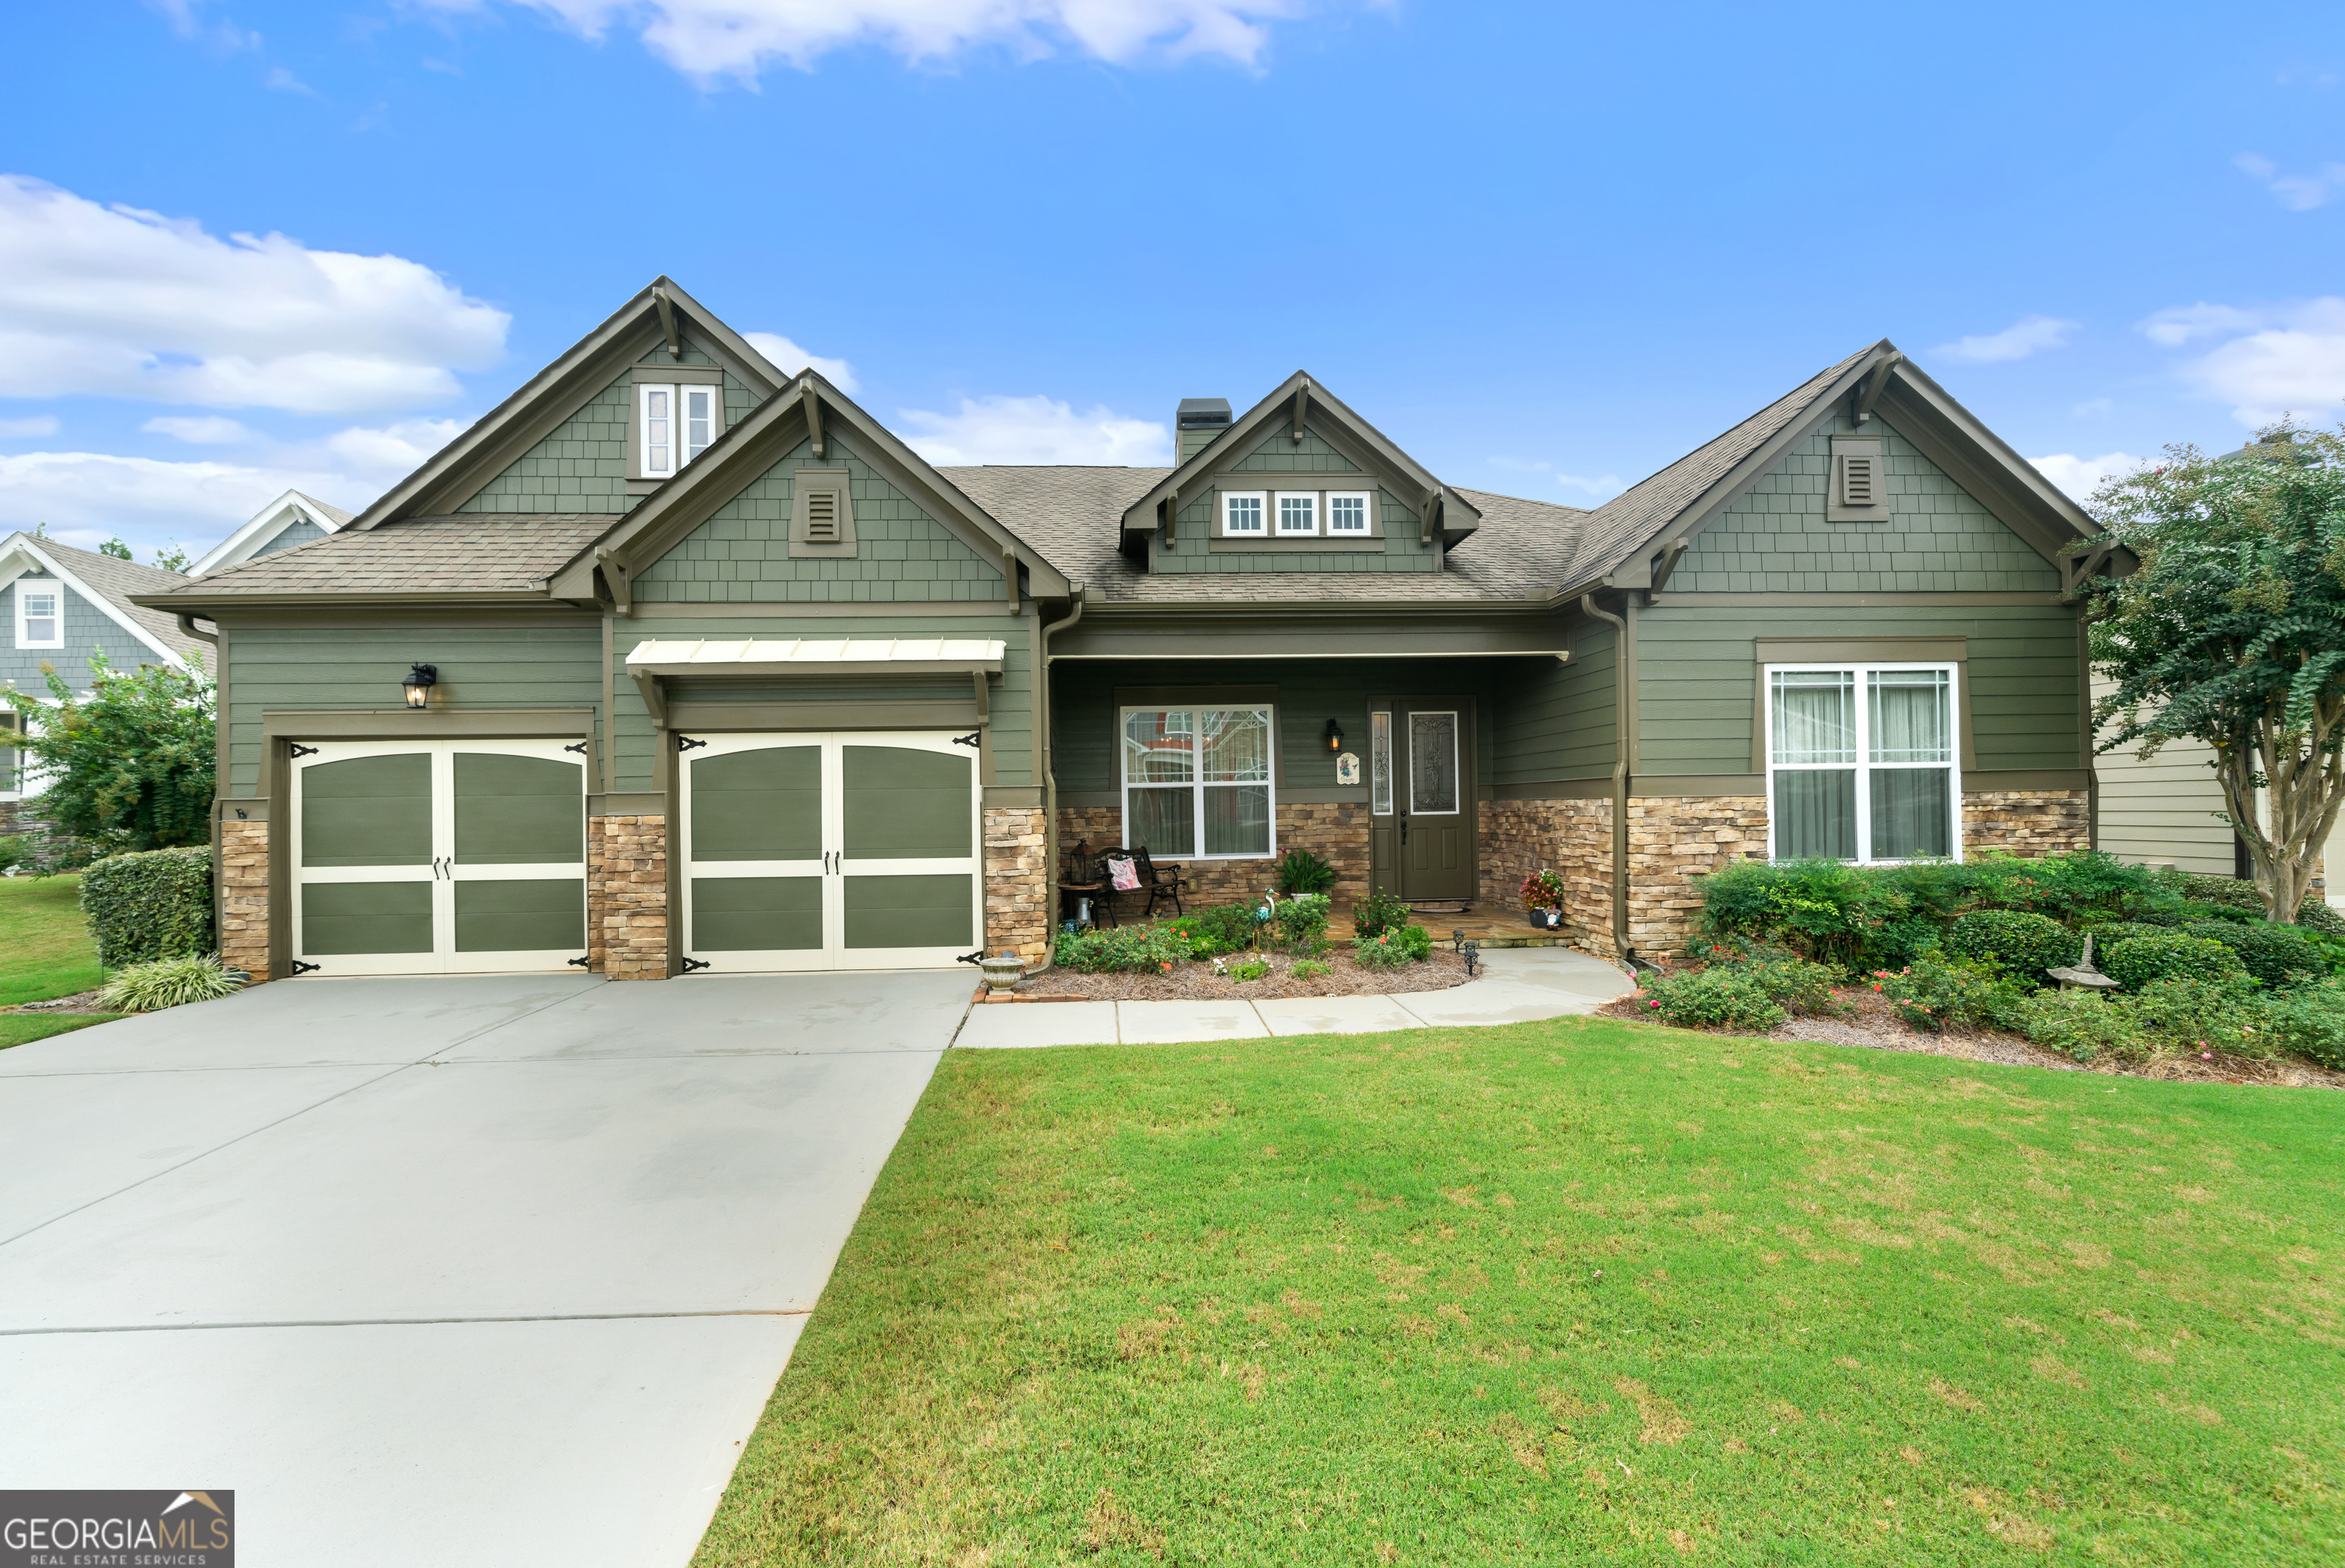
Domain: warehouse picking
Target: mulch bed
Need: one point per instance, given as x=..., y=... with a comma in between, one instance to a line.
x=80, y=1002
x=1872, y=1023
x=1198, y=982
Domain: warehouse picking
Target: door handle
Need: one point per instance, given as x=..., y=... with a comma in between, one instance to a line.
x=1404, y=829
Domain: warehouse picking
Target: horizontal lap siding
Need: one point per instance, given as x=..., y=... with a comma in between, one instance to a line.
x=309, y=668
x=2163, y=812
x=1011, y=700
x=1697, y=678
x=1558, y=721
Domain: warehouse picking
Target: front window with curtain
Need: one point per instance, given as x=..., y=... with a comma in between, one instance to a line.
x=1862, y=763
x=1196, y=783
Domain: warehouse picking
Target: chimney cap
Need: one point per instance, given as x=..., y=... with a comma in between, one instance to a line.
x=1198, y=412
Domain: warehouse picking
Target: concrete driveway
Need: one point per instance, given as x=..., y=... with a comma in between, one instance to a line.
x=467, y=1270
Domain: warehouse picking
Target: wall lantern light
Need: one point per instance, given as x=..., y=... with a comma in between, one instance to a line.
x=419, y=683
x=1335, y=736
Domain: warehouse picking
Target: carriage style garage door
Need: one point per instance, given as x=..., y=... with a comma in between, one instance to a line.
x=438, y=856
x=856, y=851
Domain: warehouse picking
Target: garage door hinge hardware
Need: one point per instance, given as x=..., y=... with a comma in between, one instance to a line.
x=682, y=744
x=970, y=957
x=579, y=962
x=970, y=739
x=301, y=750
x=579, y=748
x=301, y=968
x=692, y=964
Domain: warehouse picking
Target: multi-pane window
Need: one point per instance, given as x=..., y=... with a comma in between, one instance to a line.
x=1347, y=512
x=38, y=623
x=1861, y=762
x=1197, y=782
x=1241, y=513
x=674, y=424
x=1298, y=514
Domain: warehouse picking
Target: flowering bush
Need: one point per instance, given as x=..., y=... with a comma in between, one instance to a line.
x=1932, y=992
x=1391, y=949
x=1543, y=889
x=1723, y=996
x=1127, y=950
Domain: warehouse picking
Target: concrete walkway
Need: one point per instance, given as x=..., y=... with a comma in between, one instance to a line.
x=474, y=1270
x=1520, y=985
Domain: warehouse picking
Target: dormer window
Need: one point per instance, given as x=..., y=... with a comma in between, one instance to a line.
x=1299, y=515
x=1242, y=514
x=39, y=624
x=1347, y=511
x=673, y=425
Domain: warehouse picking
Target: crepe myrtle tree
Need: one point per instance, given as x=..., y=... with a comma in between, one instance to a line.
x=130, y=765
x=2232, y=630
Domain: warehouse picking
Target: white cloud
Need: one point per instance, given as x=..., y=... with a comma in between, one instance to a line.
x=709, y=38
x=2016, y=341
x=22, y=429
x=2296, y=192
x=1598, y=488
x=789, y=359
x=121, y=302
x=1038, y=430
x=380, y=456
x=202, y=430
x=2080, y=476
x=2285, y=358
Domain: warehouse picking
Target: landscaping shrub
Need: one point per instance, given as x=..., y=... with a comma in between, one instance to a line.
x=1127, y=949
x=1936, y=992
x=2024, y=945
x=1822, y=907
x=1395, y=947
x=1722, y=996
x=2309, y=1022
x=1301, y=923
x=1308, y=969
x=2202, y=890
x=155, y=903
x=1378, y=913
x=1300, y=871
x=169, y=981
x=1784, y=976
x=2277, y=955
x=2139, y=960
x=1252, y=969
x=2187, y=1013
x=2086, y=1026
x=1224, y=928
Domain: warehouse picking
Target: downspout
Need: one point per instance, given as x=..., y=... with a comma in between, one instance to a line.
x=1050, y=766
x=187, y=629
x=1622, y=673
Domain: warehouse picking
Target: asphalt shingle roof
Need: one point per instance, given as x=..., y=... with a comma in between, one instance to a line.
x=478, y=552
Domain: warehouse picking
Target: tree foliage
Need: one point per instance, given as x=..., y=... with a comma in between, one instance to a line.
x=2232, y=632
x=130, y=765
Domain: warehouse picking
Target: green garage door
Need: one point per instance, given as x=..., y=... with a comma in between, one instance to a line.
x=830, y=851
x=437, y=857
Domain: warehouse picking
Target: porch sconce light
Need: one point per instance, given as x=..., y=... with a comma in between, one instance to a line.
x=419, y=683
x=1335, y=736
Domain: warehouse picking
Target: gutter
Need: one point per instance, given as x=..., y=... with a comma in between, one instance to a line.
x=1050, y=766
x=187, y=629
x=1623, y=669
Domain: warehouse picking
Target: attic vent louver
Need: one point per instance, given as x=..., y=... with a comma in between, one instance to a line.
x=822, y=517
x=1856, y=481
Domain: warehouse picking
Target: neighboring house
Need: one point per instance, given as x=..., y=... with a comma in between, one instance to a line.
x=60, y=606
x=292, y=519
x=723, y=675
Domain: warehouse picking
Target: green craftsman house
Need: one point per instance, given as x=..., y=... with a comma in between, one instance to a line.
x=678, y=661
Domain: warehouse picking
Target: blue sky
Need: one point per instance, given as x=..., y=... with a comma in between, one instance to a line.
x=1546, y=248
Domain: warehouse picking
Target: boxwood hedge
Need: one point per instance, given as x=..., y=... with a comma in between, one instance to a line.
x=2139, y=960
x=151, y=904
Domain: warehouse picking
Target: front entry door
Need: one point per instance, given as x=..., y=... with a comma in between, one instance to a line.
x=847, y=850
x=1421, y=798
x=438, y=856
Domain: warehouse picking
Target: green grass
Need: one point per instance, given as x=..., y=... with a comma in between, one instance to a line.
x=23, y=1028
x=44, y=946
x=1573, y=1292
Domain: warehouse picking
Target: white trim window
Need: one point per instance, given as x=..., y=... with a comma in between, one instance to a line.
x=1197, y=782
x=674, y=424
x=1348, y=511
x=1863, y=762
x=40, y=612
x=1298, y=512
x=1242, y=514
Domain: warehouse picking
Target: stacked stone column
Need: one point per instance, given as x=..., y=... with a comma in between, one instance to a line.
x=626, y=897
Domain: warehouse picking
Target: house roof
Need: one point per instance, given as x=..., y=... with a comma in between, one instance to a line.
x=255, y=532
x=475, y=551
x=109, y=581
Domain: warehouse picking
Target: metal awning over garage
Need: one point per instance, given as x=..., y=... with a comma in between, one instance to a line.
x=657, y=660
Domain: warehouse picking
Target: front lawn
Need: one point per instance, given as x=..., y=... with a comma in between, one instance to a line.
x=1581, y=1292
x=44, y=946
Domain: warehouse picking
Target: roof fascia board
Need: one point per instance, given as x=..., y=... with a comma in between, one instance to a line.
x=204, y=604
x=233, y=550
x=113, y=611
x=456, y=473
x=1983, y=464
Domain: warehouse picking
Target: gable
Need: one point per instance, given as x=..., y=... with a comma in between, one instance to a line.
x=741, y=553
x=86, y=627
x=1938, y=538
x=581, y=465
x=298, y=531
x=1280, y=453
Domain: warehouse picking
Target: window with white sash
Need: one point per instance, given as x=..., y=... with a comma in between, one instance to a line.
x=1243, y=513
x=1863, y=762
x=674, y=424
x=40, y=612
x=1197, y=782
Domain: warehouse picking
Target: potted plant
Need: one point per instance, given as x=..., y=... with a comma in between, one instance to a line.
x=1543, y=897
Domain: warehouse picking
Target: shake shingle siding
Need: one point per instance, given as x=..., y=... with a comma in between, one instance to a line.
x=1775, y=539
x=87, y=629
